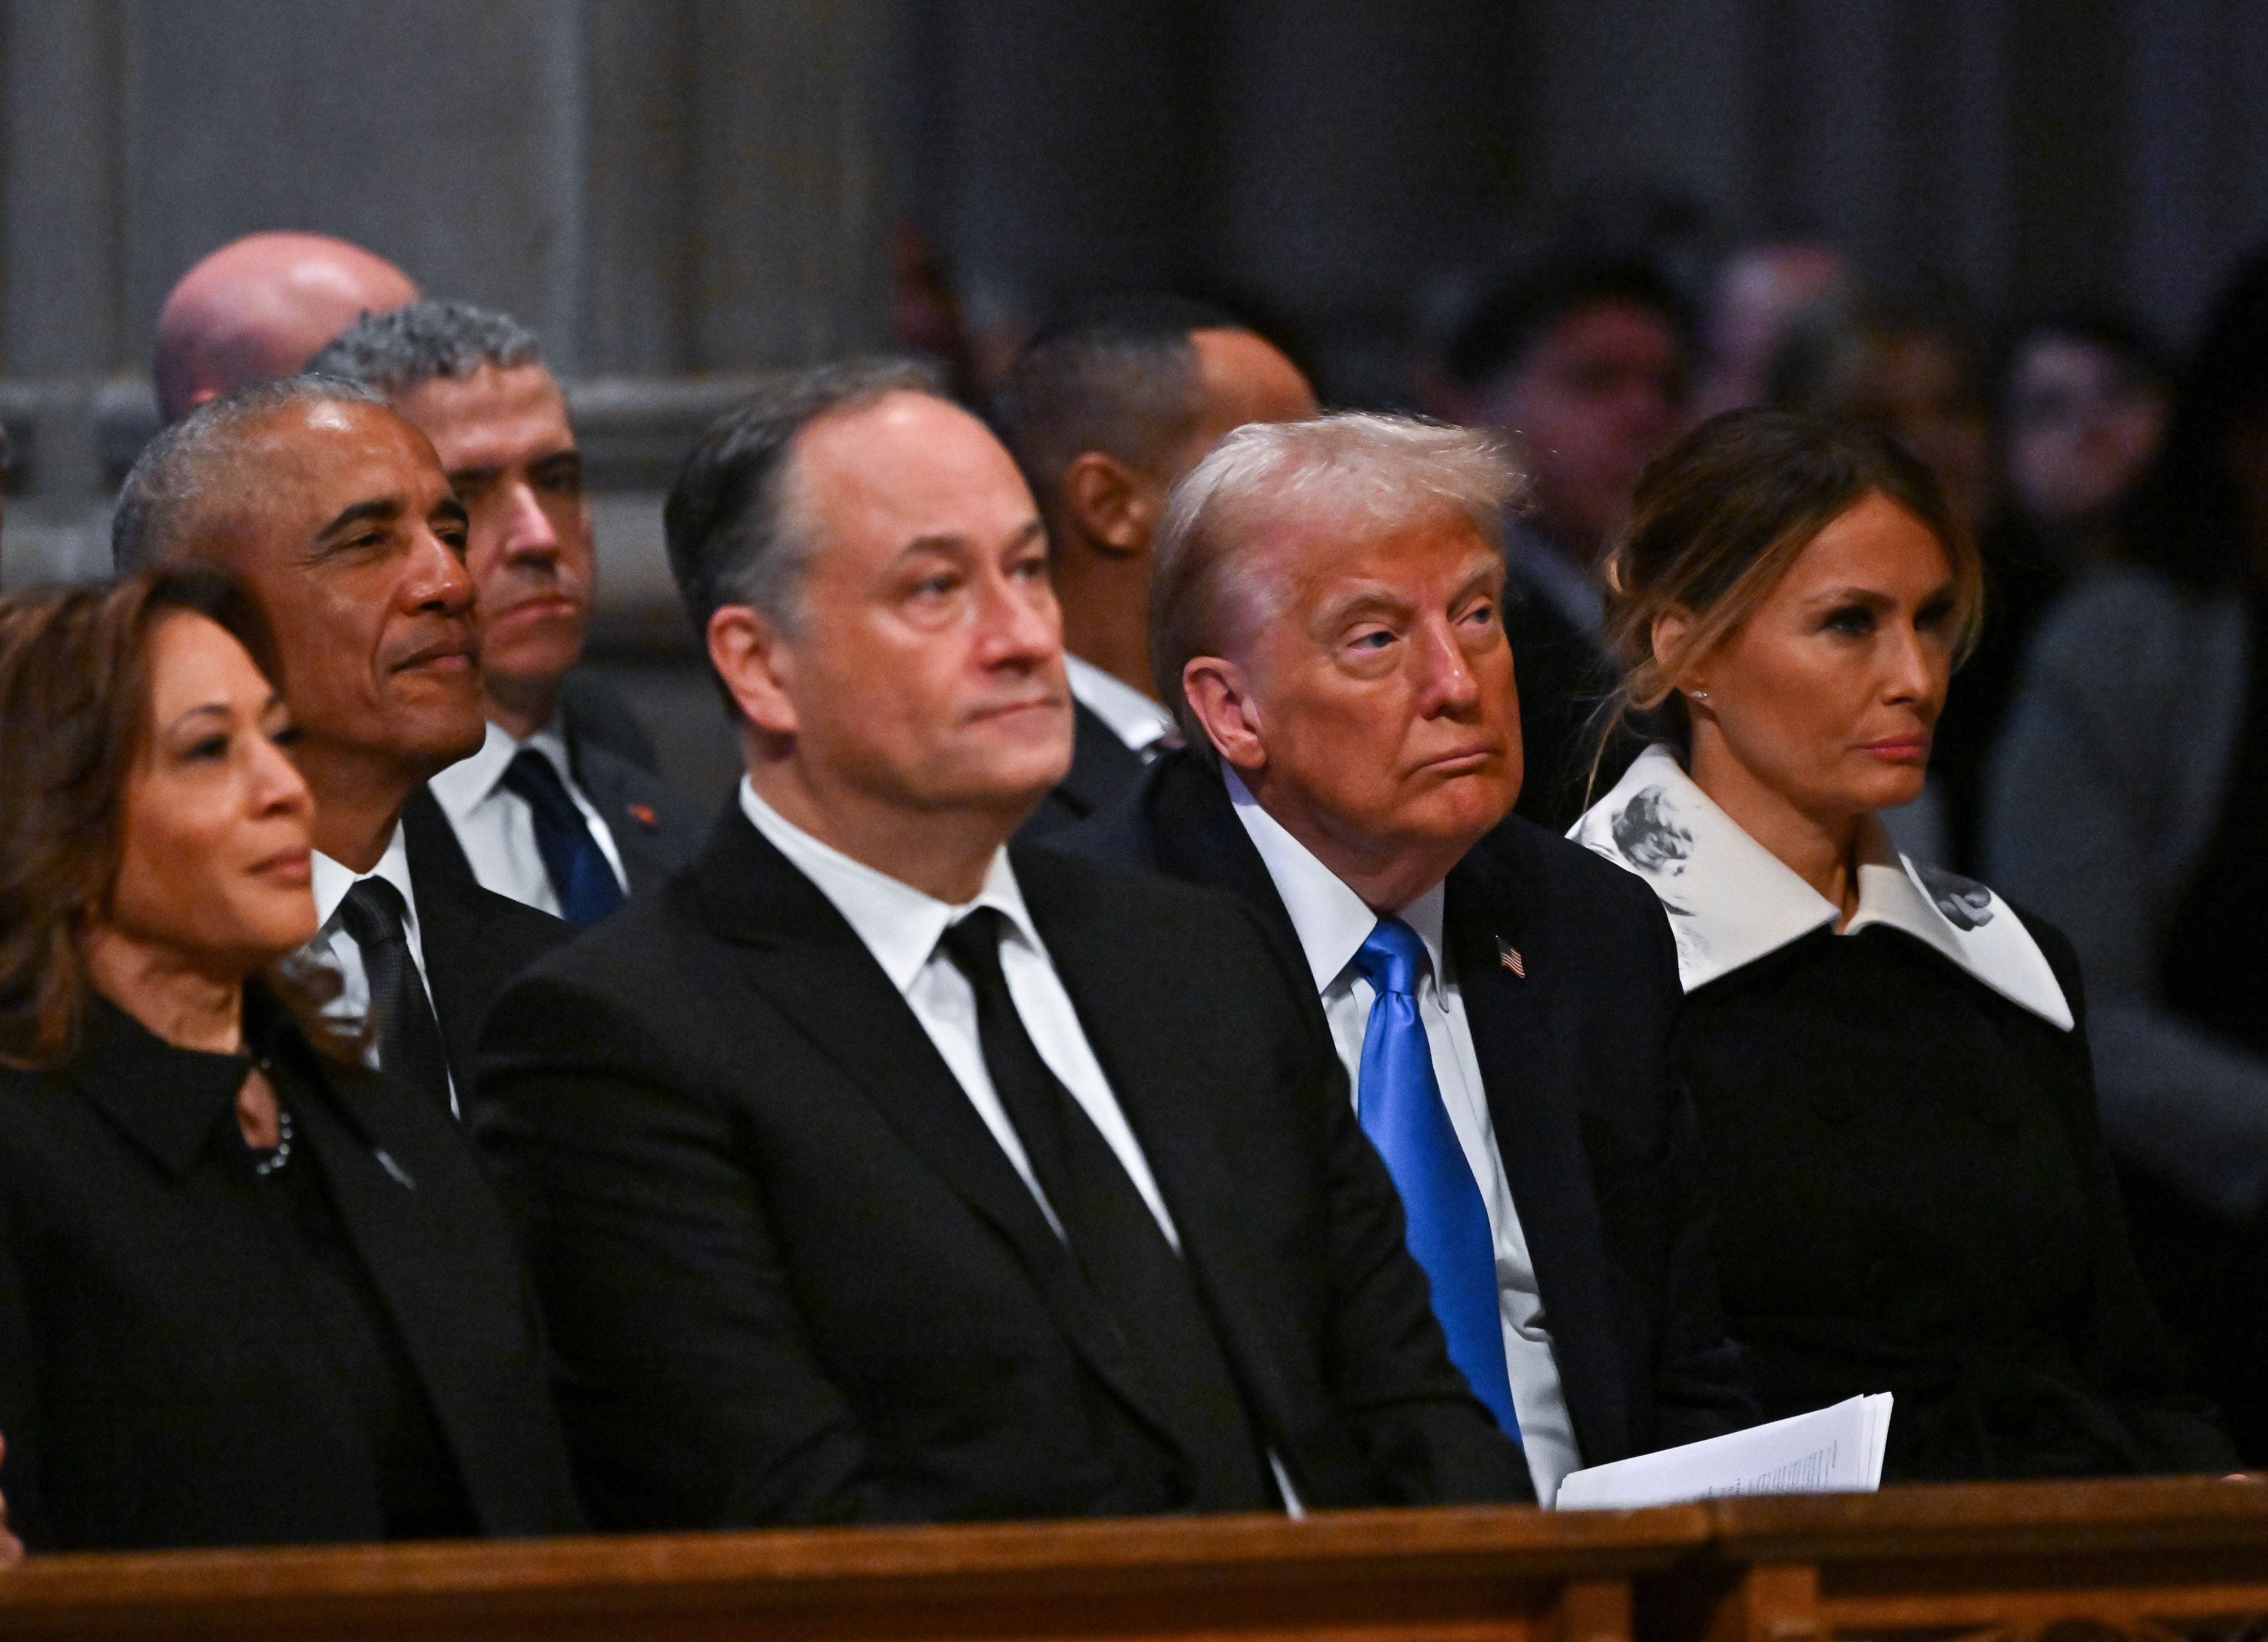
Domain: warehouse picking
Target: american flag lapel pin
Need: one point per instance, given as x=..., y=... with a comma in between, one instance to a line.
x=1508, y=955
x=644, y=814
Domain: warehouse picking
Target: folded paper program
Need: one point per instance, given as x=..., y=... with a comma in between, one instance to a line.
x=1836, y=1450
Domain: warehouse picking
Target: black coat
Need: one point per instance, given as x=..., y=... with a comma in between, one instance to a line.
x=1915, y=1200
x=1596, y=1135
x=475, y=940
x=1562, y=679
x=1103, y=769
x=165, y=1377
x=791, y=1277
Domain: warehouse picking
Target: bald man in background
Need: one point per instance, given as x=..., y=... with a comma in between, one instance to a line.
x=259, y=308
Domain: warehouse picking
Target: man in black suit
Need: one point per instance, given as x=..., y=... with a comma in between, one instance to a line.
x=1328, y=608
x=1103, y=410
x=336, y=514
x=1582, y=362
x=874, y=1171
x=561, y=807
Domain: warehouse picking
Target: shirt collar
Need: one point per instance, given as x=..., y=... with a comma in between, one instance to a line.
x=465, y=786
x=1331, y=921
x=333, y=881
x=1731, y=900
x=900, y=924
x=1133, y=718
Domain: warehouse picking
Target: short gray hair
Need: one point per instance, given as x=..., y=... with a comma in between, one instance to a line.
x=1351, y=469
x=732, y=537
x=412, y=344
x=189, y=481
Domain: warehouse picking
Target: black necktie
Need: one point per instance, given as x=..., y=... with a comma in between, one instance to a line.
x=581, y=876
x=1114, y=1239
x=409, y=1038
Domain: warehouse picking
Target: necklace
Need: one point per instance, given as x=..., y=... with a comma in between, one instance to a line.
x=281, y=1153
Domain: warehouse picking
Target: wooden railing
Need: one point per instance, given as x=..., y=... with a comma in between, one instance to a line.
x=2083, y=1561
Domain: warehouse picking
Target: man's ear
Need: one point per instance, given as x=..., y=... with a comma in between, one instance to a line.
x=1116, y=506
x=1221, y=697
x=758, y=665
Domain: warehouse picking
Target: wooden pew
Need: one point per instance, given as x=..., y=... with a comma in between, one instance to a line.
x=1507, y=1575
x=2086, y=1561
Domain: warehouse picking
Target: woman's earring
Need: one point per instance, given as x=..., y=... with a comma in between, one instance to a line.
x=1698, y=696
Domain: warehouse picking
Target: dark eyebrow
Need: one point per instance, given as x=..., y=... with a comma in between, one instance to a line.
x=466, y=476
x=956, y=544
x=1867, y=596
x=448, y=507
x=379, y=510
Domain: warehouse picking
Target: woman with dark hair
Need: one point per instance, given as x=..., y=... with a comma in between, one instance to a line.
x=2124, y=794
x=249, y=1294
x=1886, y=1060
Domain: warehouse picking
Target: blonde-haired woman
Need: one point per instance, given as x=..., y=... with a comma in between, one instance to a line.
x=1887, y=1061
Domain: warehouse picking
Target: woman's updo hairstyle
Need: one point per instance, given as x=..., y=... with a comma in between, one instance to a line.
x=1718, y=517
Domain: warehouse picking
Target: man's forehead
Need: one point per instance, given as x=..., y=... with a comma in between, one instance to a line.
x=307, y=457
x=909, y=458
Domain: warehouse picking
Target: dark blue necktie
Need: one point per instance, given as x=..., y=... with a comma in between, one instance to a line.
x=1403, y=1115
x=580, y=874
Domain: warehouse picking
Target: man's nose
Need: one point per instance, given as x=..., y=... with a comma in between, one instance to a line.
x=528, y=532
x=1447, y=682
x=1020, y=619
x=438, y=578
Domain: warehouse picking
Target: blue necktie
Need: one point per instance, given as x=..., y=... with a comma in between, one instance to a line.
x=580, y=873
x=1403, y=1115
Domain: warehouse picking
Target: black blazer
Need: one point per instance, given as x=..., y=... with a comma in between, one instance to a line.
x=1563, y=678
x=474, y=939
x=157, y=1386
x=792, y=1277
x=1103, y=769
x=1596, y=1133
x=593, y=713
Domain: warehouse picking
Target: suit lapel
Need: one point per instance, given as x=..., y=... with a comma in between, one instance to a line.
x=1520, y=1040
x=409, y=1227
x=799, y=953
x=605, y=780
x=1195, y=836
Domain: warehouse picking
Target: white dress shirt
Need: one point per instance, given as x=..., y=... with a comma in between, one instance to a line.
x=1133, y=718
x=1332, y=922
x=496, y=827
x=901, y=925
x=333, y=944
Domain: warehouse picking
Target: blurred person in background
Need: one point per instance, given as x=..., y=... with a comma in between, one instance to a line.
x=1761, y=292
x=1889, y=1061
x=2123, y=802
x=561, y=807
x=248, y=1296
x=1583, y=364
x=258, y=308
x=1104, y=410
x=2081, y=406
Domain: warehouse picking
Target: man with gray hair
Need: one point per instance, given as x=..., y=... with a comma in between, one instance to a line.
x=877, y=1171
x=1327, y=618
x=335, y=511
x=561, y=807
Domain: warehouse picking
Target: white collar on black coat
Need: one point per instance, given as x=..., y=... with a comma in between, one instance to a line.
x=1731, y=900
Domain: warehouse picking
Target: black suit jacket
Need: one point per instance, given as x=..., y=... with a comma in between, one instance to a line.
x=1563, y=678
x=1103, y=769
x=792, y=1277
x=1597, y=1135
x=157, y=1382
x=593, y=714
x=475, y=940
